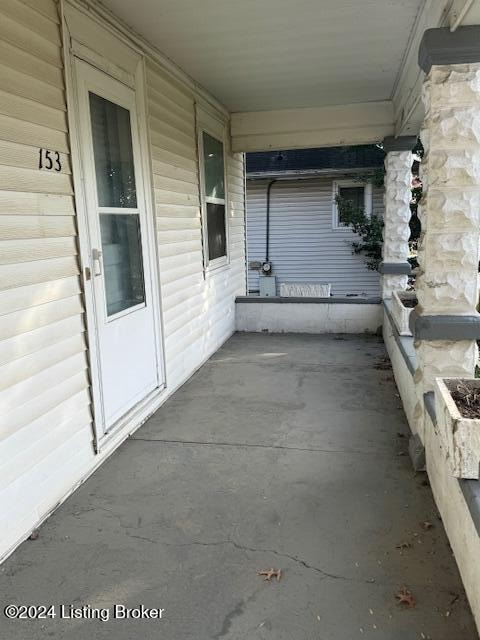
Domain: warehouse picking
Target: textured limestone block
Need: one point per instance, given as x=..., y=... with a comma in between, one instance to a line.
x=460, y=208
x=449, y=212
x=443, y=359
x=396, y=230
x=398, y=180
x=391, y=283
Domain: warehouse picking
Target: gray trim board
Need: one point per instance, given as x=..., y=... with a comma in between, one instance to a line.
x=404, y=343
x=302, y=300
x=429, y=401
x=402, y=143
x=471, y=493
x=444, y=327
x=307, y=173
x=416, y=451
x=441, y=46
x=396, y=268
x=469, y=488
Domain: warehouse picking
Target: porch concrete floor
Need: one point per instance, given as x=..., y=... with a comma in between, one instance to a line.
x=282, y=451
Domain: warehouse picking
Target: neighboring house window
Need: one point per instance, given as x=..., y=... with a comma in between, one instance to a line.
x=360, y=195
x=213, y=199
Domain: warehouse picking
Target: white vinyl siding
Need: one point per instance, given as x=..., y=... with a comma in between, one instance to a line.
x=45, y=434
x=303, y=245
x=198, y=308
x=46, y=439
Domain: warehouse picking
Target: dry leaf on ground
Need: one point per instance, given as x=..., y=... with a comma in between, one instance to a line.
x=404, y=545
x=270, y=573
x=405, y=597
x=383, y=365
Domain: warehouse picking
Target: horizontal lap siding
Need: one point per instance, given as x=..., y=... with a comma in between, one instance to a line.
x=45, y=430
x=303, y=245
x=198, y=311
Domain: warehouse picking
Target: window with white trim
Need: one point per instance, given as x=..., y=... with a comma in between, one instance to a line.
x=360, y=195
x=214, y=202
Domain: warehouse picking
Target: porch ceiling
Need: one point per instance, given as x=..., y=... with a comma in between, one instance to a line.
x=279, y=54
x=304, y=73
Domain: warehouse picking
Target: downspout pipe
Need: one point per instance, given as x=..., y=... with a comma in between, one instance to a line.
x=267, y=235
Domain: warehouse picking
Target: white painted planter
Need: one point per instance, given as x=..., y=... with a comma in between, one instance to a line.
x=400, y=312
x=303, y=289
x=460, y=436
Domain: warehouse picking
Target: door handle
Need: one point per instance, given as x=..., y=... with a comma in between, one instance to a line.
x=97, y=262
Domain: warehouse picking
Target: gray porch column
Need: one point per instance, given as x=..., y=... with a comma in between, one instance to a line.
x=396, y=231
x=446, y=323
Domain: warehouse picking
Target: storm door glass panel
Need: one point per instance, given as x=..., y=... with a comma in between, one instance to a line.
x=214, y=170
x=216, y=230
x=113, y=153
x=122, y=261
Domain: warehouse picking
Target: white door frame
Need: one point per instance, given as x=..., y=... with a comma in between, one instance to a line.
x=137, y=415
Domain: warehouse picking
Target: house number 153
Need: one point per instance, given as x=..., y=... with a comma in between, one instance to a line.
x=49, y=160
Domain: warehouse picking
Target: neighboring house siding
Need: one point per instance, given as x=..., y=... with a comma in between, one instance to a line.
x=198, y=310
x=303, y=245
x=46, y=439
x=45, y=435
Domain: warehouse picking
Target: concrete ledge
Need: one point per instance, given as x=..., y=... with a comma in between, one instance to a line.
x=404, y=343
x=307, y=315
x=305, y=300
x=469, y=488
x=441, y=46
x=395, y=268
x=444, y=327
x=403, y=365
x=459, y=504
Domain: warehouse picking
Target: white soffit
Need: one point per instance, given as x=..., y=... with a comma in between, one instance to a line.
x=279, y=54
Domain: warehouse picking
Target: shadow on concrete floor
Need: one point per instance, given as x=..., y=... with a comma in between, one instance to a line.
x=283, y=451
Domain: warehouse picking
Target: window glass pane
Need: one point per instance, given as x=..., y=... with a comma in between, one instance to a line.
x=355, y=196
x=112, y=150
x=122, y=261
x=217, y=245
x=214, y=173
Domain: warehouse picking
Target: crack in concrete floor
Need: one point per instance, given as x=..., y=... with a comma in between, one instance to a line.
x=141, y=527
x=259, y=446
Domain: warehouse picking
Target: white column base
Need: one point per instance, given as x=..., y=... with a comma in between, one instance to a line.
x=391, y=283
x=443, y=359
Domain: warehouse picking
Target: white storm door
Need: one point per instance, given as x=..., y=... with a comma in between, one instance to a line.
x=120, y=261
